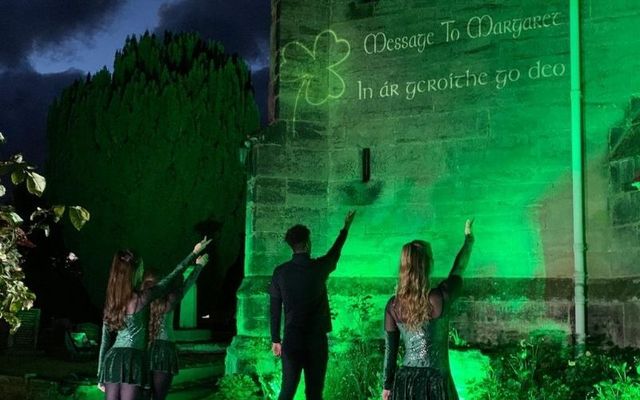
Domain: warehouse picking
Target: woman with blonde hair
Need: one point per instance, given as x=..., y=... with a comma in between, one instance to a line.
x=419, y=314
x=163, y=353
x=122, y=366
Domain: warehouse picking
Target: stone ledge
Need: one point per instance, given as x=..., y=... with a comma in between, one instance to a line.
x=499, y=289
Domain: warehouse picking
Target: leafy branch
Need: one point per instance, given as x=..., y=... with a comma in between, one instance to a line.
x=15, y=296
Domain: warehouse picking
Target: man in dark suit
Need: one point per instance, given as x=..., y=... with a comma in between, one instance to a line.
x=300, y=286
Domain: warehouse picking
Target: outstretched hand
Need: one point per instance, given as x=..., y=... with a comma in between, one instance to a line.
x=349, y=219
x=468, y=227
x=202, y=260
x=200, y=246
x=386, y=394
x=276, y=349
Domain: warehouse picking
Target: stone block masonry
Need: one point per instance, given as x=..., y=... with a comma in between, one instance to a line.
x=465, y=107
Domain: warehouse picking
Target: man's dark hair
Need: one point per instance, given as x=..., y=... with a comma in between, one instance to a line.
x=297, y=237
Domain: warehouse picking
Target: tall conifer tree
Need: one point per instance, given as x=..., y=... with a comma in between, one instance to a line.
x=152, y=150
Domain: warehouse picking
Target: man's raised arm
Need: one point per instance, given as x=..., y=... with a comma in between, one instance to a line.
x=330, y=260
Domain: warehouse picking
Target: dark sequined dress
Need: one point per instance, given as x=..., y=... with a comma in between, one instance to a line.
x=425, y=373
x=163, y=353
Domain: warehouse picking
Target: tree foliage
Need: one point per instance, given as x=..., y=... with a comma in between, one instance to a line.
x=152, y=150
x=15, y=296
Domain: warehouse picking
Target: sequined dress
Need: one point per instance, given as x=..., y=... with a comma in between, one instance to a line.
x=425, y=372
x=163, y=353
x=125, y=362
x=125, y=359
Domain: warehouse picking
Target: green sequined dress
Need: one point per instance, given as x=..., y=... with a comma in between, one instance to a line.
x=163, y=352
x=125, y=359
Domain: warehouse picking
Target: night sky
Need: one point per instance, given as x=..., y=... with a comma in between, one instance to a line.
x=48, y=44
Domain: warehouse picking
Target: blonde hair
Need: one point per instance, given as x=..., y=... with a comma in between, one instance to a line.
x=412, y=294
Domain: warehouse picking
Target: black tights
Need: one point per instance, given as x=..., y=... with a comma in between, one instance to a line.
x=122, y=391
x=160, y=384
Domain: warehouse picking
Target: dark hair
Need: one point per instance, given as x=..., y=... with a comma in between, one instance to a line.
x=158, y=307
x=297, y=236
x=127, y=256
x=120, y=287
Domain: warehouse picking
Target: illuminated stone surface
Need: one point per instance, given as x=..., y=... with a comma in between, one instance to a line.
x=491, y=141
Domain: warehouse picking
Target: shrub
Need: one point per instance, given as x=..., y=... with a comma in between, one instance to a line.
x=14, y=232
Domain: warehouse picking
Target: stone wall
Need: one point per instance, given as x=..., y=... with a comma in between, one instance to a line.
x=489, y=137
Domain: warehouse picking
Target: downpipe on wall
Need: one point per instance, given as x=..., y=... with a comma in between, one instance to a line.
x=577, y=172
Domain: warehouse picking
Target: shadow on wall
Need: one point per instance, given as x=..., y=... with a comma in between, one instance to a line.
x=612, y=224
x=360, y=194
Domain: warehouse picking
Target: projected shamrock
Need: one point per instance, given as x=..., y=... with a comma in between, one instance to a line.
x=314, y=69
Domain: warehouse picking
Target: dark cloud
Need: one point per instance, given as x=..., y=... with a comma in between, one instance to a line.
x=35, y=24
x=28, y=26
x=24, y=103
x=242, y=26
